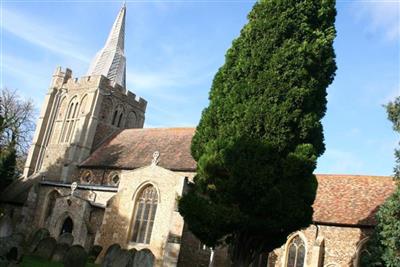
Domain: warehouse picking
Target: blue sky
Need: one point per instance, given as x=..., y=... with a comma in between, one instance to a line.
x=174, y=48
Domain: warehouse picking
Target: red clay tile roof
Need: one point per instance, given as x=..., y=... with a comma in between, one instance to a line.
x=134, y=148
x=350, y=199
x=341, y=199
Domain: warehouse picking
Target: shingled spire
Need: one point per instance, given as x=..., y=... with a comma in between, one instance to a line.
x=110, y=60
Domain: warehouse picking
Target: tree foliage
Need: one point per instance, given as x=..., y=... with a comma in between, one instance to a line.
x=258, y=140
x=384, y=245
x=16, y=127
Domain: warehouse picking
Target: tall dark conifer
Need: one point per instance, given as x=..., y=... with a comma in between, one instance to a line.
x=258, y=140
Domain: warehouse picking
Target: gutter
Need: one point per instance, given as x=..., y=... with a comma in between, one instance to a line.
x=344, y=225
x=104, y=188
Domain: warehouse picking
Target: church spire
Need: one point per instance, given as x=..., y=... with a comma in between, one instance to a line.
x=110, y=60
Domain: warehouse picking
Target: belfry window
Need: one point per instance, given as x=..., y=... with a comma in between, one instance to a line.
x=145, y=211
x=296, y=252
x=118, y=116
x=70, y=121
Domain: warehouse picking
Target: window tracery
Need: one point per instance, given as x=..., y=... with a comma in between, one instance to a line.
x=145, y=211
x=296, y=252
x=70, y=121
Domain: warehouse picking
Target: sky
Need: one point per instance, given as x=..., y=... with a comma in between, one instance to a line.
x=174, y=48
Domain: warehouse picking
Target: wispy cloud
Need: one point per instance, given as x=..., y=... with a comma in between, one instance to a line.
x=42, y=34
x=380, y=17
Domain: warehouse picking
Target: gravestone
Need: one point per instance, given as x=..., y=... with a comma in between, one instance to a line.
x=6, y=227
x=133, y=251
x=76, y=256
x=45, y=248
x=59, y=252
x=143, y=258
x=123, y=259
x=66, y=238
x=110, y=255
x=36, y=237
x=94, y=253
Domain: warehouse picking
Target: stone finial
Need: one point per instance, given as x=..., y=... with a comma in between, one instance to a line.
x=155, y=160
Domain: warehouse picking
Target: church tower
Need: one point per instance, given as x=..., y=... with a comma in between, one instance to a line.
x=79, y=114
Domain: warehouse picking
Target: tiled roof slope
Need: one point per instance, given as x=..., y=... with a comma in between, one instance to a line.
x=350, y=199
x=341, y=199
x=134, y=148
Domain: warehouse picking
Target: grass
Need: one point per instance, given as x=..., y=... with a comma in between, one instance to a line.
x=31, y=261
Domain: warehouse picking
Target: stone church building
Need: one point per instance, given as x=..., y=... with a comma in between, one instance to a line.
x=94, y=171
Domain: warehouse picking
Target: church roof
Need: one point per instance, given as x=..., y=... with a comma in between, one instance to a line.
x=134, y=148
x=341, y=199
x=350, y=199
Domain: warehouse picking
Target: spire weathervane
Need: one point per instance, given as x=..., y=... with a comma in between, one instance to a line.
x=110, y=60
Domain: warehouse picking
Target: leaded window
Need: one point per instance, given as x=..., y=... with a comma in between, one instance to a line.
x=296, y=252
x=145, y=211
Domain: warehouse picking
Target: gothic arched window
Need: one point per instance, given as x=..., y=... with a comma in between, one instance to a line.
x=70, y=120
x=145, y=211
x=296, y=252
x=67, y=226
x=118, y=116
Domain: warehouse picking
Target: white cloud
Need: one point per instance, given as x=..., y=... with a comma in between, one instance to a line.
x=42, y=34
x=380, y=16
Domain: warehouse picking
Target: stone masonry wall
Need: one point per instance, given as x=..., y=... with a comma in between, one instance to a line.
x=168, y=224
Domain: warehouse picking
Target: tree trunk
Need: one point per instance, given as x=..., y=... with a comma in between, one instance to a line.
x=242, y=251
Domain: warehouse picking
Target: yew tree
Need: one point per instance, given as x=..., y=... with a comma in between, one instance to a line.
x=257, y=142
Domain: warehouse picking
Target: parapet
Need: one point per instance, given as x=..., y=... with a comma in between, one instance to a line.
x=100, y=81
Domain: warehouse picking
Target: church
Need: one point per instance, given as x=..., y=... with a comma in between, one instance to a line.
x=95, y=172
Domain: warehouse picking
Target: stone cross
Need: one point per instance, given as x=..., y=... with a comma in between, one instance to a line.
x=155, y=160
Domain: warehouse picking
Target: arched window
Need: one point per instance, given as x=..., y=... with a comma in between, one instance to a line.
x=70, y=120
x=145, y=211
x=296, y=252
x=67, y=226
x=118, y=116
x=131, y=120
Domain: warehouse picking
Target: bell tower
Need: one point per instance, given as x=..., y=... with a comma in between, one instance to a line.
x=79, y=114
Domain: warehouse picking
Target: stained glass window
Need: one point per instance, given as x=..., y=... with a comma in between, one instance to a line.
x=296, y=253
x=145, y=211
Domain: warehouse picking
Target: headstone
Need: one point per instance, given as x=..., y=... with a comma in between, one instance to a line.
x=66, y=238
x=36, y=237
x=76, y=256
x=45, y=248
x=59, y=252
x=123, y=259
x=94, y=253
x=6, y=227
x=133, y=251
x=143, y=258
x=110, y=255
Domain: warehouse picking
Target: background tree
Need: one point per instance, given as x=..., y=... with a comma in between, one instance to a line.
x=384, y=246
x=16, y=128
x=258, y=140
